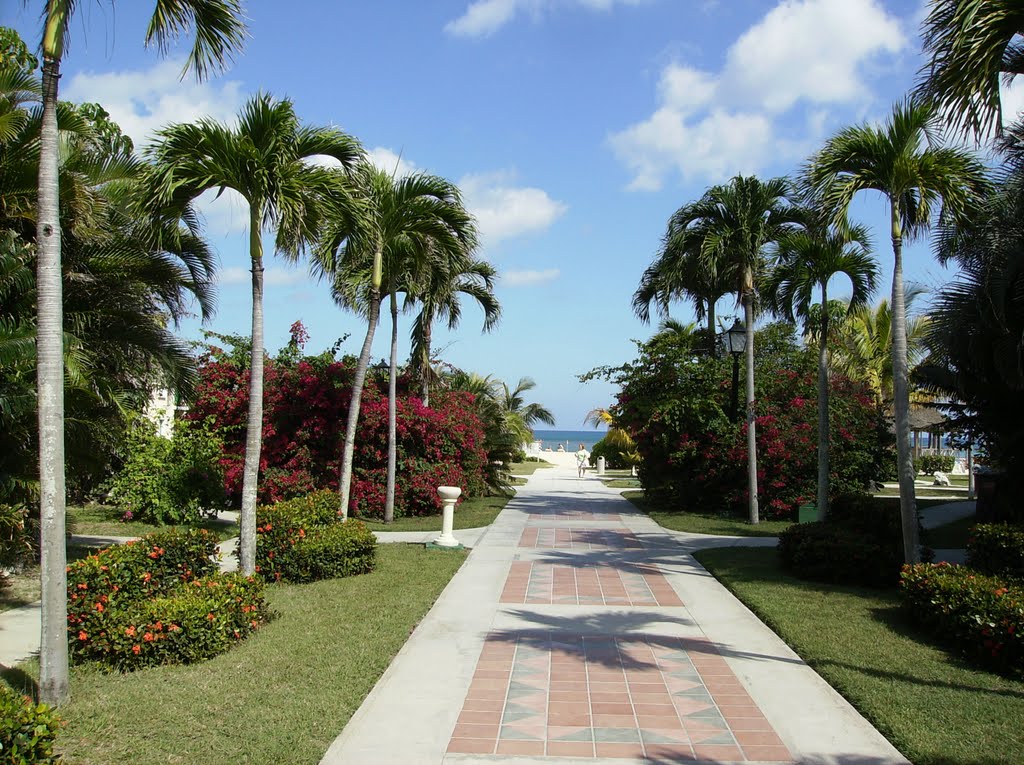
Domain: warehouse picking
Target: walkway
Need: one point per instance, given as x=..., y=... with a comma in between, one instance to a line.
x=578, y=628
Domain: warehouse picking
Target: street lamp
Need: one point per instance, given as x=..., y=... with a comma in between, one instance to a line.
x=736, y=342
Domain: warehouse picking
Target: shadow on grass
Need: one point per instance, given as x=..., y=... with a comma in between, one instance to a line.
x=20, y=681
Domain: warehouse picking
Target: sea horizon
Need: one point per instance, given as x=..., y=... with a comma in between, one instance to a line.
x=569, y=439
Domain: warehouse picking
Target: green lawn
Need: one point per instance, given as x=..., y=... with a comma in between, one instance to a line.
x=936, y=709
x=470, y=514
x=23, y=588
x=621, y=483
x=527, y=468
x=706, y=523
x=281, y=696
x=105, y=521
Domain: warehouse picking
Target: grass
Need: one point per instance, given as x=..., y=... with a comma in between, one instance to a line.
x=471, y=514
x=706, y=523
x=952, y=535
x=934, y=708
x=105, y=521
x=281, y=696
x=527, y=468
x=622, y=483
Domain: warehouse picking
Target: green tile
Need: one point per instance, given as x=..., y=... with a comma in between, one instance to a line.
x=617, y=735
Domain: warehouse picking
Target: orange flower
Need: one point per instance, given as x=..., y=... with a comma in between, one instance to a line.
x=302, y=533
x=99, y=607
x=130, y=632
x=148, y=637
x=173, y=628
x=147, y=576
x=158, y=626
x=83, y=635
x=136, y=648
x=210, y=616
x=83, y=586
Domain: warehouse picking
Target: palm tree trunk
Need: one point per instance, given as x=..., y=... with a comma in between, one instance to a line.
x=389, y=497
x=254, y=425
x=748, y=317
x=711, y=326
x=823, y=430
x=53, y=650
x=901, y=399
x=349, y=447
x=425, y=365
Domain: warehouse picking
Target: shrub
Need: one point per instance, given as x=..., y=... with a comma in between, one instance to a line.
x=614, y=456
x=832, y=552
x=186, y=624
x=302, y=540
x=167, y=481
x=17, y=542
x=931, y=463
x=981, y=615
x=997, y=549
x=27, y=730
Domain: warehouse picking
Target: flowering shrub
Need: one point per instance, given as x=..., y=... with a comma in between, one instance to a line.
x=674, y=402
x=27, y=730
x=136, y=604
x=302, y=540
x=305, y=404
x=997, y=549
x=981, y=615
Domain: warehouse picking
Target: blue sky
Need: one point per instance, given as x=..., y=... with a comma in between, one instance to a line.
x=574, y=127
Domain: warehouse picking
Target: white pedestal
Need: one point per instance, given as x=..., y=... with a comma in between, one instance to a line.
x=449, y=494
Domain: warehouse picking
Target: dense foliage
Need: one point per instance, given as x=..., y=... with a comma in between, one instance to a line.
x=174, y=480
x=158, y=601
x=997, y=549
x=302, y=540
x=983, y=616
x=305, y=399
x=675, y=402
x=27, y=730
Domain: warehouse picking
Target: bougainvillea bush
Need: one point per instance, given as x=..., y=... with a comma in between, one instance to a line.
x=304, y=410
x=675, y=402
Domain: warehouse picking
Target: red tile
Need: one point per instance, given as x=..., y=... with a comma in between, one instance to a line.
x=470, y=730
x=609, y=749
x=611, y=708
x=568, y=720
x=768, y=753
x=669, y=752
x=748, y=723
x=471, y=746
x=494, y=716
x=614, y=721
x=747, y=738
x=521, y=747
x=484, y=705
x=713, y=752
x=570, y=749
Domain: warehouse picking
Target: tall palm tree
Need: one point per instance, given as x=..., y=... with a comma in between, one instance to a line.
x=972, y=44
x=679, y=271
x=896, y=161
x=442, y=284
x=737, y=222
x=265, y=158
x=219, y=34
x=808, y=260
x=516, y=408
x=401, y=221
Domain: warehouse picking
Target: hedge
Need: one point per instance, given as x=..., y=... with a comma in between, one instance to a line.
x=983, y=616
x=997, y=549
x=302, y=540
x=27, y=730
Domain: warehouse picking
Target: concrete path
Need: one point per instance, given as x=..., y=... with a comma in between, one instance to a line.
x=578, y=628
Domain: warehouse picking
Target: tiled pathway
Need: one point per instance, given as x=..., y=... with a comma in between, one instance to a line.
x=579, y=630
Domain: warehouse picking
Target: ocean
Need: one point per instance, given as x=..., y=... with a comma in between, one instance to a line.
x=570, y=439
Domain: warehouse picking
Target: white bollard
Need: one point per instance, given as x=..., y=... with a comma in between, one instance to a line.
x=600, y=465
x=449, y=494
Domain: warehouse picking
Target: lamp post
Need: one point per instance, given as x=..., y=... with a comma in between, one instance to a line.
x=736, y=342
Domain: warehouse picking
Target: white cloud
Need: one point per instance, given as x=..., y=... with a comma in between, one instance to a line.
x=529, y=278
x=483, y=18
x=142, y=101
x=504, y=210
x=803, y=53
x=391, y=162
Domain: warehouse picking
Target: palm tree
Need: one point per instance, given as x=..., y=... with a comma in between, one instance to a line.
x=615, y=437
x=441, y=285
x=265, y=158
x=679, y=270
x=402, y=221
x=808, y=260
x=863, y=345
x=971, y=44
x=117, y=249
x=895, y=161
x=516, y=408
x=736, y=223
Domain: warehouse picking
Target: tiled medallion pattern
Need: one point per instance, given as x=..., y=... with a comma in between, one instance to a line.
x=628, y=584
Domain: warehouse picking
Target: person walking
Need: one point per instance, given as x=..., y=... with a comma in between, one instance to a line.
x=582, y=458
